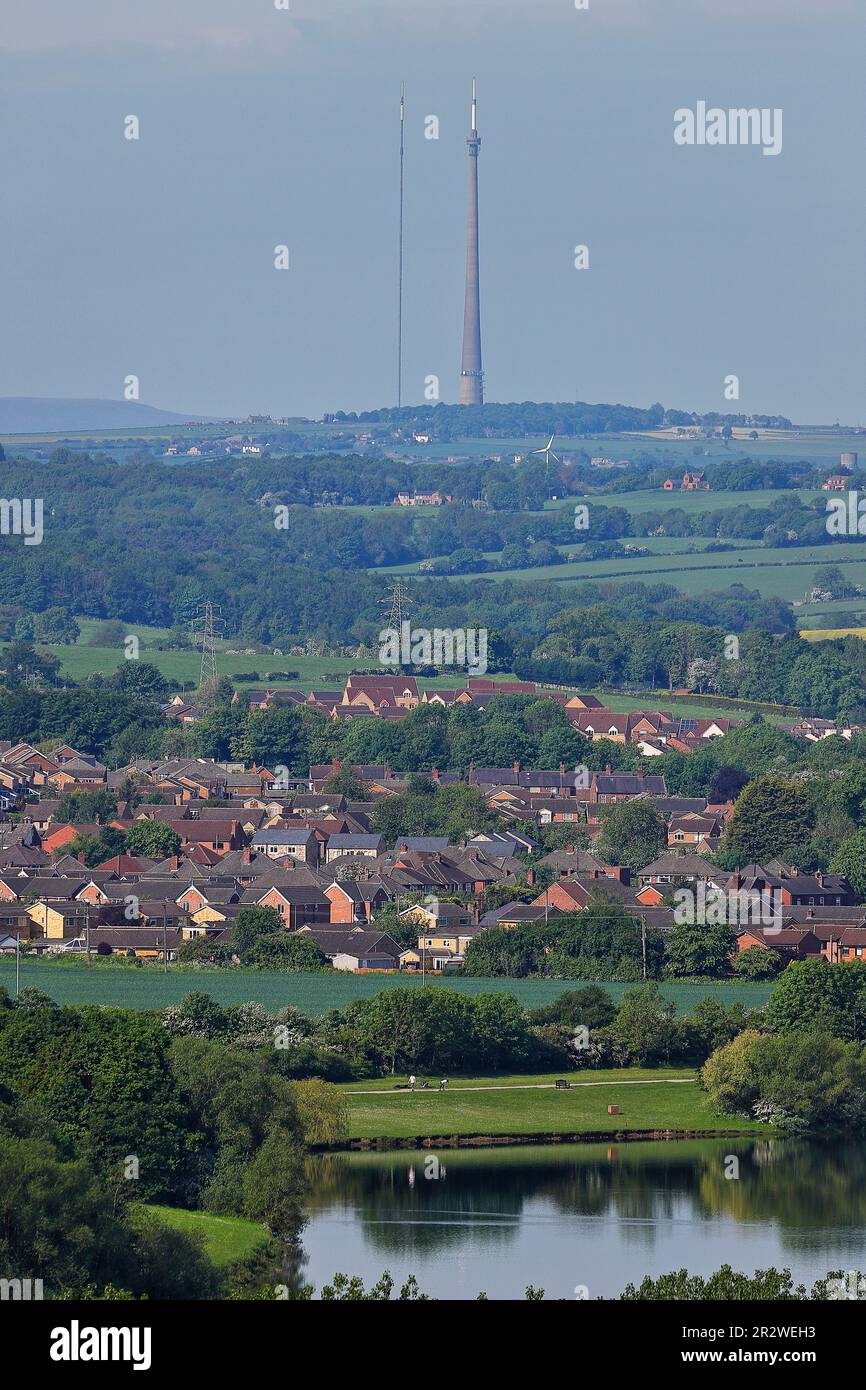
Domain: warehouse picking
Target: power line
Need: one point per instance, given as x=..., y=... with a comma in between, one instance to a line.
x=398, y=602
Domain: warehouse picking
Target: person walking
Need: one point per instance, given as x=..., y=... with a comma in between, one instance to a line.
x=411, y=1083
x=443, y=1084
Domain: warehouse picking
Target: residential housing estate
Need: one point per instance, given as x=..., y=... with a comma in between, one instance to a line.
x=249, y=837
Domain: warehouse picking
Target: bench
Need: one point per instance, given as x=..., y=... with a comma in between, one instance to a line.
x=562, y=1085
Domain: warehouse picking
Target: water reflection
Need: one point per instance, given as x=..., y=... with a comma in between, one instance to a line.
x=614, y=1211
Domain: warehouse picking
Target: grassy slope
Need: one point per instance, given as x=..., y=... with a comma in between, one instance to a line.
x=151, y=988
x=503, y=1110
x=226, y=1238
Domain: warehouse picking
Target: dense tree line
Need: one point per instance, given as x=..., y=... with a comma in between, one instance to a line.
x=210, y=531
x=513, y=419
x=802, y=1067
x=105, y=1110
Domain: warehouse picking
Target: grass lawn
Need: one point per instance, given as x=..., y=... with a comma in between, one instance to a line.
x=457, y=1083
x=149, y=987
x=81, y=660
x=504, y=1109
x=226, y=1238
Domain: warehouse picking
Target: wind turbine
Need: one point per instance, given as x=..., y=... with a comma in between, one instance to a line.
x=548, y=454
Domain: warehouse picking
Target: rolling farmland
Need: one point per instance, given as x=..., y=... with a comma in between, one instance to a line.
x=781, y=573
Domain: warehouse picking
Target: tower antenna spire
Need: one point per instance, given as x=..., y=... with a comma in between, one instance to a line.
x=400, y=256
x=471, y=373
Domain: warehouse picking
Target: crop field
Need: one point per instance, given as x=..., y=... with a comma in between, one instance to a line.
x=823, y=634
x=150, y=987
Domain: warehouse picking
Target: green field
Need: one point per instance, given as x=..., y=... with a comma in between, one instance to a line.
x=80, y=661
x=508, y=1109
x=840, y=612
x=657, y=500
x=149, y=987
x=314, y=672
x=226, y=1238
x=672, y=546
x=684, y=708
x=784, y=573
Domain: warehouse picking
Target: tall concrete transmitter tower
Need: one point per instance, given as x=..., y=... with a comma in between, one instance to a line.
x=471, y=375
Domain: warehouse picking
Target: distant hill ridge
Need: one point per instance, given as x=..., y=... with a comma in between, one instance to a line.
x=50, y=414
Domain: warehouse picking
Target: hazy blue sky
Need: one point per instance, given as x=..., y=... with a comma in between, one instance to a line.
x=261, y=127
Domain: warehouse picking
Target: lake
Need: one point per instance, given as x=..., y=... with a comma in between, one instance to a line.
x=592, y=1215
